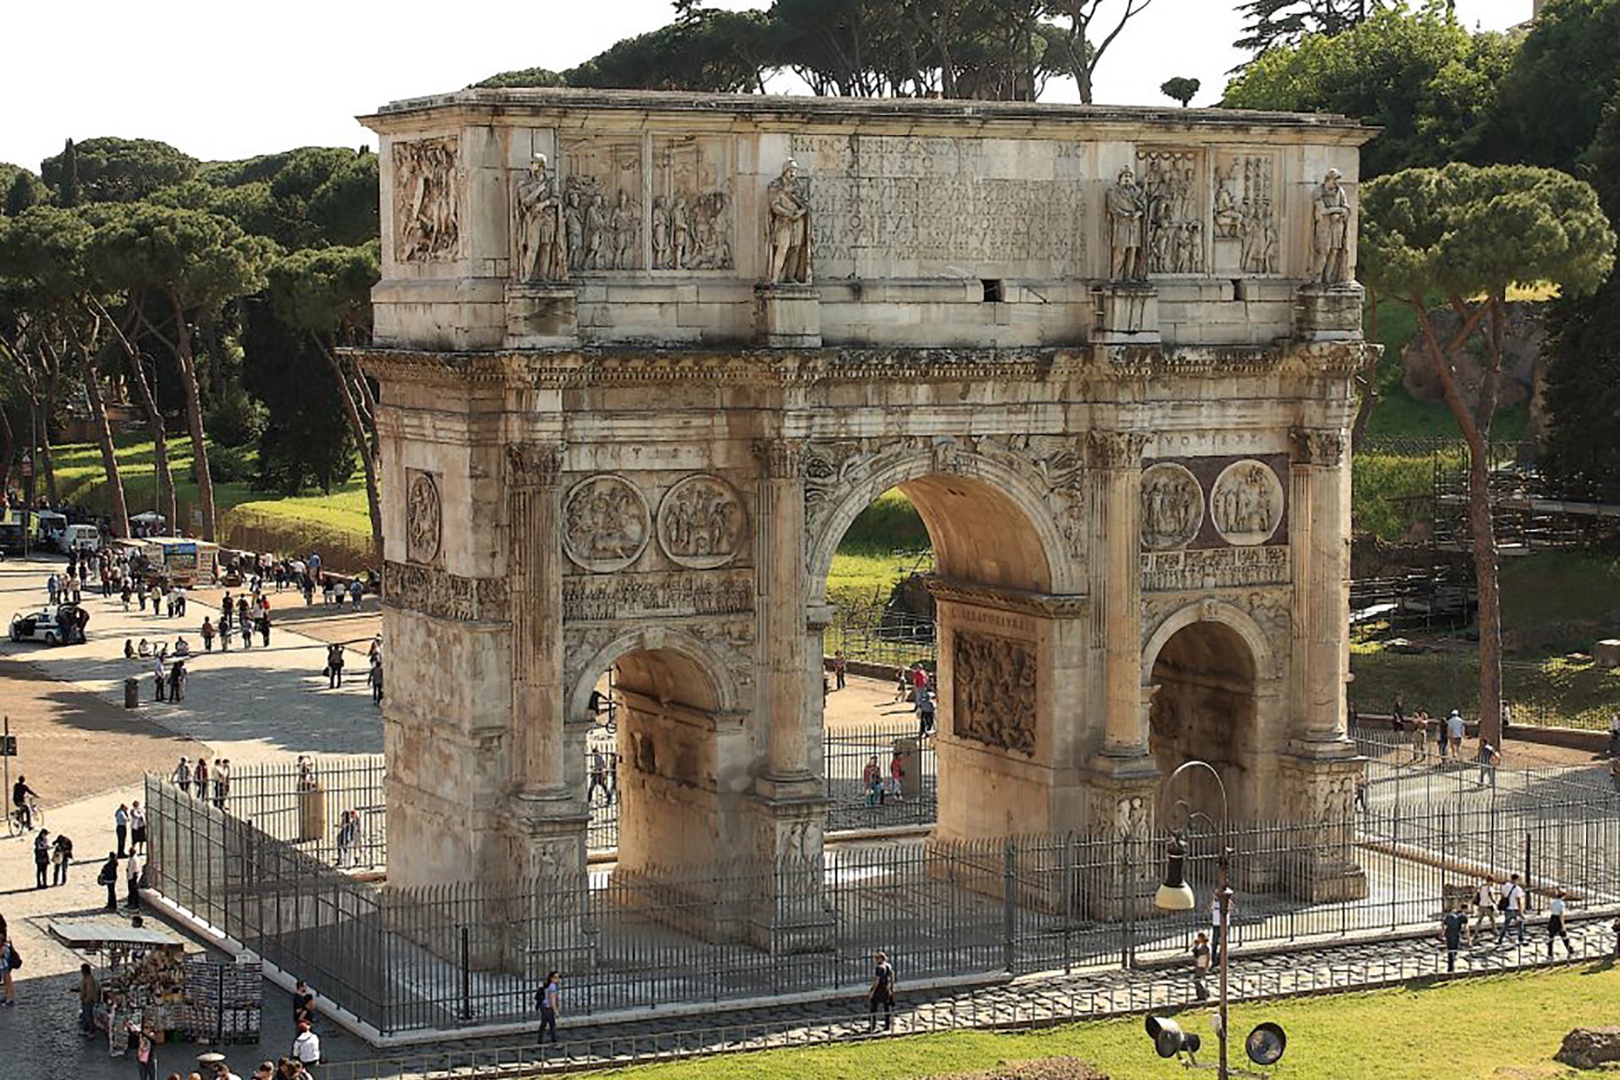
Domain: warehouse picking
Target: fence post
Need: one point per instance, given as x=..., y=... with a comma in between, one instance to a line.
x=466, y=975
x=1009, y=904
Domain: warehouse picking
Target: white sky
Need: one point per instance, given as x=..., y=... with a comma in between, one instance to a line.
x=231, y=79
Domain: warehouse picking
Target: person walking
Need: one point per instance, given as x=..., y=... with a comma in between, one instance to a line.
x=1456, y=729
x=1512, y=906
x=222, y=781
x=374, y=677
x=881, y=992
x=334, y=666
x=598, y=775
x=207, y=634
x=244, y=623
x=1555, y=923
x=840, y=669
x=1420, y=732
x=306, y=1046
x=897, y=772
x=145, y=1041
x=1489, y=759
x=1216, y=944
x=10, y=960
x=925, y=715
x=182, y=776
x=61, y=858
x=121, y=826
x=159, y=675
x=42, y=858
x=1451, y=928
x=1201, y=965
x=872, y=782
x=132, y=874
x=549, y=999
x=109, y=878
x=199, y=778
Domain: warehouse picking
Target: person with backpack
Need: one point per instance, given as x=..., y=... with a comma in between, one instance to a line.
x=1512, y=906
x=109, y=878
x=1451, y=930
x=549, y=998
x=61, y=858
x=1201, y=965
x=881, y=992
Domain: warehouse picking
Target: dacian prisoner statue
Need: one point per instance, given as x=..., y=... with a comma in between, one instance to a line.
x=541, y=253
x=789, y=227
x=1330, y=233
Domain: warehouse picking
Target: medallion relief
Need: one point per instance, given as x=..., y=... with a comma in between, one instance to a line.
x=993, y=679
x=701, y=523
x=606, y=525
x=427, y=218
x=424, y=518
x=1246, y=503
x=1172, y=507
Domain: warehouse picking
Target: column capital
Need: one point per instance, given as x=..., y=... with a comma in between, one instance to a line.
x=1317, y=446
x=533, y=465
x=1115, y=449
x=779, y=458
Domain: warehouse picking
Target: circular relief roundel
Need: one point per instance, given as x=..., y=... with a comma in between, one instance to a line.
x=605, y=523
x=1172, y=507
x=424, y=519
x=1246, y=502
x=701, y=523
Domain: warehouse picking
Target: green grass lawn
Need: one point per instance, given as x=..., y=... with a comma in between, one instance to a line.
x=1430, y=1031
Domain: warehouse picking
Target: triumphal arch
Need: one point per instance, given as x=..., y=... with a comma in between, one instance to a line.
x=643, y=358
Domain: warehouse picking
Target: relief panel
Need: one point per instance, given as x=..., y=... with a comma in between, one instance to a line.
x=427, y=200
x=603, y=204
x=691, y=226
x=1171, y=182
x=994, y=679
x=1244, y=217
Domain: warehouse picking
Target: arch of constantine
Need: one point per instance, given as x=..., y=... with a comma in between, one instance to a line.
x=644, y=357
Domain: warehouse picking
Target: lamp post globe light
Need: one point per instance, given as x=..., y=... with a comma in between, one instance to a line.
x=1176, y=895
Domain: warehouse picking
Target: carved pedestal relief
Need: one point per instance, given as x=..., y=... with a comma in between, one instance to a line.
x=424, y=517
x=427, y=213
x=1246, y=502
x=606, y=525
x=1245, y=214
x=993, y=679
x=1172, y=507
x=701, y=523
x=1175, y=221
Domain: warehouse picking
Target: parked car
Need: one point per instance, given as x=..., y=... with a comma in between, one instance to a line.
x=60, y=625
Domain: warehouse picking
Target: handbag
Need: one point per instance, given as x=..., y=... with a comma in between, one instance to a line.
x=13, y=958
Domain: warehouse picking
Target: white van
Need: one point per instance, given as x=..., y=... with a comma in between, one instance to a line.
x=79, y=538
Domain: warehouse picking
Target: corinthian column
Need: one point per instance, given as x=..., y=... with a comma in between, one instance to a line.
x=1116, y=461
x=780, y=585
x=532, y=471
x=1319, y=535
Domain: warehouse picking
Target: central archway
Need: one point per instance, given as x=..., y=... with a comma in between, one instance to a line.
x=1004, y=764
x=1205, y=707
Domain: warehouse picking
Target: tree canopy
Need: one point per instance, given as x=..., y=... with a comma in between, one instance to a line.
x=1270, y=23
x=110, y=169
x=1428, y=83
x=1564, y=74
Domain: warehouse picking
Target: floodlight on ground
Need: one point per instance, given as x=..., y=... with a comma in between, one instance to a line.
x=1266, y=1043
x=1175, y=894
x=1168, y=1038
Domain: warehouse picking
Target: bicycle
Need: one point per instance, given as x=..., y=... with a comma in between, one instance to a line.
x=14, y=820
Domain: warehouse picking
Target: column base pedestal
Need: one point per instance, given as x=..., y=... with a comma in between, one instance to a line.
x=788, y=912
x=542, y=315
x=787, y=316
x=1122, y=793
x=1328, y=312
x=1127, y=313
x=1321, y=783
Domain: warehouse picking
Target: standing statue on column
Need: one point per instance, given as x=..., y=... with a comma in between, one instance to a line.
x=1127, y=214
x=1330, y=231
x=541, y=252
x=789, y=204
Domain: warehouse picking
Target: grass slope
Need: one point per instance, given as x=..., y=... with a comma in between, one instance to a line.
x=1457, y=1030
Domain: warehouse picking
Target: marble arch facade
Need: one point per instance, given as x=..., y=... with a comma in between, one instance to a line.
x=639, y=445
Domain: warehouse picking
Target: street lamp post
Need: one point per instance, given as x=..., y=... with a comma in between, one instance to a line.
x=1176, y=895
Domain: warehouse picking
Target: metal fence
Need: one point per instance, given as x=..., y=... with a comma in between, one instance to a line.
x=846, y=754
x=472, y=953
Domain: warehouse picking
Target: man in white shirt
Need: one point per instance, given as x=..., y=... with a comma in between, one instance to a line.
x=306, y=1048
x=1455, y=730
x=1513, y=901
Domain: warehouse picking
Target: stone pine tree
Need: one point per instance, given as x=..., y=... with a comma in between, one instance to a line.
x=1283, y=22
x=1467, y=234
x=1179, y=89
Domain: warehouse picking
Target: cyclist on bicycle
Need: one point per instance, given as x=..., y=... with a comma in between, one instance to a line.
x=20, y=794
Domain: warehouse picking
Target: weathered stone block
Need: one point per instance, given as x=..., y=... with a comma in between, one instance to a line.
x=1328, y=312
x=541, y=316
x=1127, y=313
x=787, y=316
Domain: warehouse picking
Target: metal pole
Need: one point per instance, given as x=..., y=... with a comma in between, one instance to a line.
x=1225, y=887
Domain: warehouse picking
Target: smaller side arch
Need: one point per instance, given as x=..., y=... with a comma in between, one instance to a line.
x=703, y=676
x=1216, y=611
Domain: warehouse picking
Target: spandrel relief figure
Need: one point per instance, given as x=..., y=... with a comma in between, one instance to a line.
x=1127, y=210
x=1330, y=232
x=789, y=203
x=541, y=252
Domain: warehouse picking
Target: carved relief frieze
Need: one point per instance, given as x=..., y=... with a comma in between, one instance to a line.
x=701, y=523
x=1172, y=507
x=1245, y=214
x=602, y=204
x=1246, y=502
x=424, y=517
x=1215, y=568
x=671, y=595
x=532, y=465
x=427, y=204
x=691, y=226
x=994, y=684
x=443, y=595
x=1169, y=180
x=606, y=524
